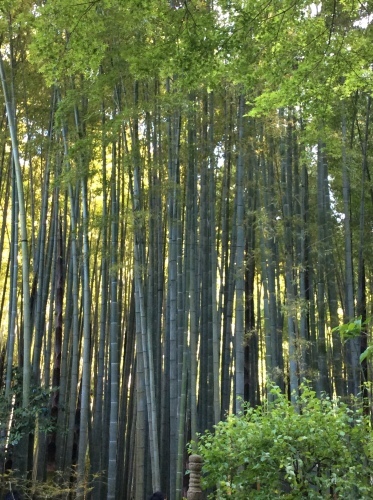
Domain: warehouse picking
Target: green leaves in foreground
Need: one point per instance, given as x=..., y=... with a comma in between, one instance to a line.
x=353, y=329
x=318, y=448
x=15, y=420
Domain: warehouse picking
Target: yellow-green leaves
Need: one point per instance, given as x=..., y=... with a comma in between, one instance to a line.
x=69, y=39
x=318, y=447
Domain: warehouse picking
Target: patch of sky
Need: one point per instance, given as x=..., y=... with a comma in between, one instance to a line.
x=339, y=216
x=219, y=154
x=312, y=10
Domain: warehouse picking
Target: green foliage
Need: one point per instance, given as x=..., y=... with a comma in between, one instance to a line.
x=351, y=329
x=12, y=411
x=316, y=448
x=354, y=329
x=368, y=353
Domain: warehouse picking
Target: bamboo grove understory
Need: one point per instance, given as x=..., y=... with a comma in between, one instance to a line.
x=187, y=206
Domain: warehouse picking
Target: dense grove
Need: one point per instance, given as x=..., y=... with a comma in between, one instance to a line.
x=187, y=211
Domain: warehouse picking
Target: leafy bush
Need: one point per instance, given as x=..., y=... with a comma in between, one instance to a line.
x=317, y=448
x=23, y=419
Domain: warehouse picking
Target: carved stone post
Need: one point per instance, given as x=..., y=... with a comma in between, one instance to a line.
x=195, y=466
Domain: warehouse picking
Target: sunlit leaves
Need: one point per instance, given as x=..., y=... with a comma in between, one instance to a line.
x=314, y=447
x=350, y=330
x=63, y=44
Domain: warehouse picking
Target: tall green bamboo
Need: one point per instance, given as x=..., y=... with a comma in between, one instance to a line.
x=26, y=381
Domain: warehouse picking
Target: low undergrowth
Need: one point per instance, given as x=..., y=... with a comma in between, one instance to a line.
x=316, y=448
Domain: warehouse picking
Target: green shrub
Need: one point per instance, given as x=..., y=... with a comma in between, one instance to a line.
x=23, y=419
x=317, y=448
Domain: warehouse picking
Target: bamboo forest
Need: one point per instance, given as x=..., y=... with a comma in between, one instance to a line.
x=186, y=215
